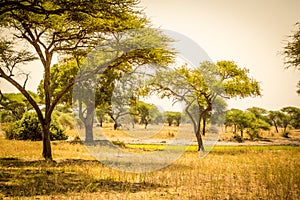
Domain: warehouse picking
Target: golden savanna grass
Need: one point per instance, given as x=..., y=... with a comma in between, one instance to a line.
x=227, y=172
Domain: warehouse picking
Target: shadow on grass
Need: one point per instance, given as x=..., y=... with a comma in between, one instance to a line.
x=31, y=178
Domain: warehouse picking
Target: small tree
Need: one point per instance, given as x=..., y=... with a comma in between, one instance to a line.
x=173, y=117
x=288, y=117
x=198, y=88
x=275, y=117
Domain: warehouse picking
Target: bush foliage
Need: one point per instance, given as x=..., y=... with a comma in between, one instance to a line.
x=29, y=128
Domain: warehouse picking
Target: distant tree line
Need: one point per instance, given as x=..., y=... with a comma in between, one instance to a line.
x=254, y=120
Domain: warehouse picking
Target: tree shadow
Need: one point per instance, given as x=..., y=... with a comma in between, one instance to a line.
x=31, y=178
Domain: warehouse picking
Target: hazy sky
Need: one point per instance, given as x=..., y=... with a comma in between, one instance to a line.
x=249, y=32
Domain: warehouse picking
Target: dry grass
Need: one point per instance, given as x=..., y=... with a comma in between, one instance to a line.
x=160, y=131
x=225, y=173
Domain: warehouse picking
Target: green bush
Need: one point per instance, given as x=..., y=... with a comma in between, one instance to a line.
x=29, y=128
x=254, y=133
x=66, y=121
x=6, y=116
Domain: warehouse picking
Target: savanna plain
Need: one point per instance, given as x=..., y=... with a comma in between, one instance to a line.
x=227, y=172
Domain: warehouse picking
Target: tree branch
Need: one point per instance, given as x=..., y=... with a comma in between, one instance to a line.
x=25, y=93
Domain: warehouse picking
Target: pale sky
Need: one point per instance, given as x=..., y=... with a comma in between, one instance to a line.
x=249, y=32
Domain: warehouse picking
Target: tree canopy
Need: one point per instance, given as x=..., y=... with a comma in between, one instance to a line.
x=199, y=87
x=68, y=28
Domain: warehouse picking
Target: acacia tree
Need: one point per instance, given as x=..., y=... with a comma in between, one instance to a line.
x=246, y=120
x=292, y=51
x=275, y=116
x=242, y=120
x=288, y=117
x=172, y=116
x=230, y=119
x=109, y=83
x=198, y=88
x=285, y=117
x=58, y=26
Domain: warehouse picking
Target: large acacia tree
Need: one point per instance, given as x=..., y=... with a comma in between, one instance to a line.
x=199, y=88
x=57, y=26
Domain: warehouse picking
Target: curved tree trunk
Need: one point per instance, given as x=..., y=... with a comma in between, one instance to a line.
x=198, y=134
x=204, y=125
x=200, y=142
x=276, y=127
x=47, y=153
x=196, y=125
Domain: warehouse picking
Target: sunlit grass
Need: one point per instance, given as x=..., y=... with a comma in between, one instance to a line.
x=227, y=172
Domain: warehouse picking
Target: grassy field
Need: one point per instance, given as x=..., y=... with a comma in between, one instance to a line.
x=227, y=172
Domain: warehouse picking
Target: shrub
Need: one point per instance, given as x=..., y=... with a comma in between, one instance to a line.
x=6, y=116
x=119, y=143
x=29, y=128
x=254, y=133
x=66, y=121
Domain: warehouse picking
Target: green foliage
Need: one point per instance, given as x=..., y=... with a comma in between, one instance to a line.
x=14, y=105
x=70, y=28
x=6, y=116
x=246, y=120
x=61, y=75
x=199, y=88
x=236, y=81
x=29, y=128
x=285, y=117
x=143, y=111
x=173, y=117
x=66, y=121
x=292, y=116
x=292, y=51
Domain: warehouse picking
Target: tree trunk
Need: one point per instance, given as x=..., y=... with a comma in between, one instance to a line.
x=198, y=135
x=101, y=121
x=285, y=134
x=115, y=125
x=47, y=153
x=242, y=134
x=88, y=123
x=88, y=120
x=88, y=131
x=200, y=142
x=204, y=125
x=234, y=128
x=276, y=127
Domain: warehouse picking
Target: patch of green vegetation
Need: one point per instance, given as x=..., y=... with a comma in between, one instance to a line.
x=215, y=148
